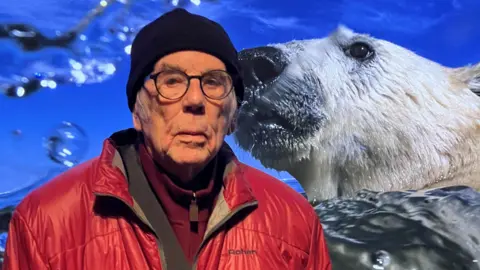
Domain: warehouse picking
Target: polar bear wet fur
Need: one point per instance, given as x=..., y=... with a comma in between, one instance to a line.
x=350, y=111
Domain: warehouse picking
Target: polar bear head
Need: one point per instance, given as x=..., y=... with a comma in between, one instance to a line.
x=350, y=111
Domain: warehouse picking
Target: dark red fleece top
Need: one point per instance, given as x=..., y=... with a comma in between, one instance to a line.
x=176, y=198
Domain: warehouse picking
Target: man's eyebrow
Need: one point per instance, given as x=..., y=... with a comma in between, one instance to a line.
x=165, y=66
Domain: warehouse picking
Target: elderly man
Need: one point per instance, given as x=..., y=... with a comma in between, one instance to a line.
x=170, y=194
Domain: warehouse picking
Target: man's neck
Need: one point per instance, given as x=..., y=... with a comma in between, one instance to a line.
x=197, y=179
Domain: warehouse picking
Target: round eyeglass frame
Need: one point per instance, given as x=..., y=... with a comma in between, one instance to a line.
x=189, y=78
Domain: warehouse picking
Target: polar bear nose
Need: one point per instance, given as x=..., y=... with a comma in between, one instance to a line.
x=261, y=65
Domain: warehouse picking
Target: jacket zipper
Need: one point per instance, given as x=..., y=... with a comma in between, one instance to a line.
x=217, y=226
x=193, y=209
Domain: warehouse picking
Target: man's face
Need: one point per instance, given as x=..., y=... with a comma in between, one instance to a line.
x=190, y=130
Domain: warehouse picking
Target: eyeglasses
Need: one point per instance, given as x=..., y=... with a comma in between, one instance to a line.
x=173, y=84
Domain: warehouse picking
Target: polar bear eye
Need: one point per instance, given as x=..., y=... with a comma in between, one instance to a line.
x=360, y=51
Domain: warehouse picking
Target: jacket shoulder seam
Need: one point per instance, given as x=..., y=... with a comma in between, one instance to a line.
x=274, y=237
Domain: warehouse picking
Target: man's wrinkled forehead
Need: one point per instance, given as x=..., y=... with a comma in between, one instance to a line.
x=165, y=63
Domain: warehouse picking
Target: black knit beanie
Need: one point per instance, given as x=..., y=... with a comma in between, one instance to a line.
x=179, y=30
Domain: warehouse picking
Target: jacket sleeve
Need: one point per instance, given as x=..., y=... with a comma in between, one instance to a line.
x=319, y=258
x=21, y=251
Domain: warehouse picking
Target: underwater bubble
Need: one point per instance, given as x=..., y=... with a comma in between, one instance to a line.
x=66, y=144
x=17, y=132
x=380, y=259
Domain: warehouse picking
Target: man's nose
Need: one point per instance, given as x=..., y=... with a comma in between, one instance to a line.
x=194, y=100
x=261, y=65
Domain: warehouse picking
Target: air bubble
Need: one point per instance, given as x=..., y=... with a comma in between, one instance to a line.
x=66, y=144
x=380, y=259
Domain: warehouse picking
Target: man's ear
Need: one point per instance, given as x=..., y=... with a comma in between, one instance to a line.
x=233, y=123
x=232, y=128
x=137, y=124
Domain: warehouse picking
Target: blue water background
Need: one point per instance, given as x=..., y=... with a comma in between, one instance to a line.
x=444, y=31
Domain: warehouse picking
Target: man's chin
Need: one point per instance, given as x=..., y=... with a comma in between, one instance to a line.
x=190, y=156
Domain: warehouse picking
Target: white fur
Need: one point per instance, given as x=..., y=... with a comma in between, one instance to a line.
x=398, y=122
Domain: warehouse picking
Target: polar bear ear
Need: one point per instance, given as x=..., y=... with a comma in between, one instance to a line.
x=470, y=75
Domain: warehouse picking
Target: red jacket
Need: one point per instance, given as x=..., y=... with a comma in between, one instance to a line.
x=58, y=225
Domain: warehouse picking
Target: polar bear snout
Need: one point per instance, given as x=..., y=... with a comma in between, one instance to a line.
x=262, y=66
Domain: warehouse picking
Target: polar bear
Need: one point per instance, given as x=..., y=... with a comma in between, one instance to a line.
x=350, y=111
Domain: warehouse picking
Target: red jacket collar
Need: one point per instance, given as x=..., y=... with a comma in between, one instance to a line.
x=109, y=179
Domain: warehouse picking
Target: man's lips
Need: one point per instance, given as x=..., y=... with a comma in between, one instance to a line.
x=192, y=136
x=192, y=133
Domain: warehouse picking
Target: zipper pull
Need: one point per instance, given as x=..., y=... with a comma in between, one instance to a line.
x=193, y=210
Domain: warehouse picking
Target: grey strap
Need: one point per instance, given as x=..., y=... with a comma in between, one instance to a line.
x=146, y=198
